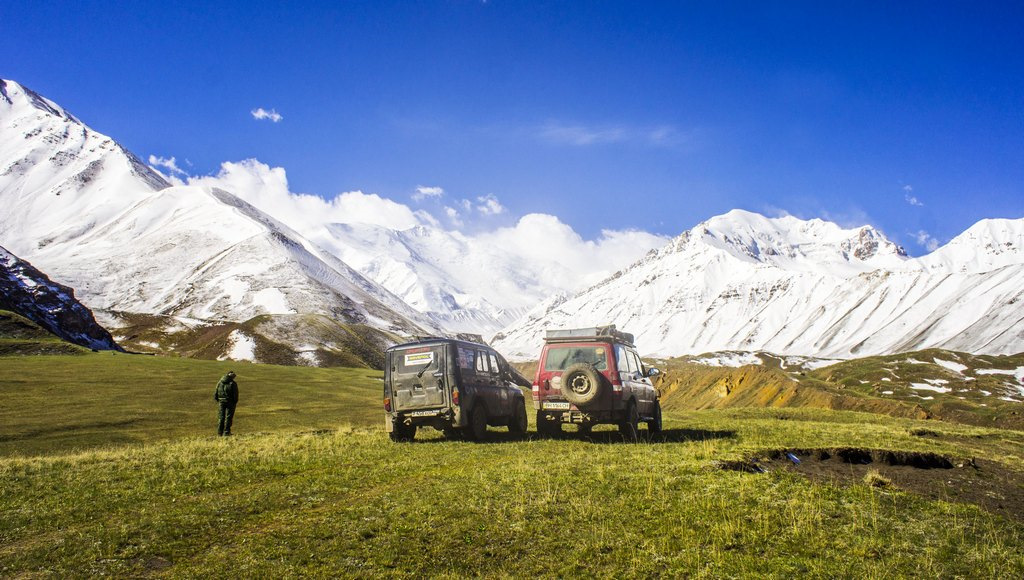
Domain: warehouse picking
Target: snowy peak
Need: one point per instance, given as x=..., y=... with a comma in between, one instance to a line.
x=988, y=245
x=55, y=172
x=794, y=244
x=20, y=98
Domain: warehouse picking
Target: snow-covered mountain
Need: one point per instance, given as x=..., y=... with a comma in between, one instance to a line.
x=28, y=292
x=90, y=213
x=745, y=282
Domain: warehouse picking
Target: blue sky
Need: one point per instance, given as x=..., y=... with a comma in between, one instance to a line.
x=908, y=116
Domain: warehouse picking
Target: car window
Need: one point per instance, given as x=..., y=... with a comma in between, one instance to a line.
x=621, y=359
x=481, y=363
x=631, y=362
x=560, y=358
x=494, y=363
x=467, y=359
x=637, y=362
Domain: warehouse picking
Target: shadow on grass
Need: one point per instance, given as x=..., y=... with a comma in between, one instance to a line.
x=599, y=437
x=666, y=436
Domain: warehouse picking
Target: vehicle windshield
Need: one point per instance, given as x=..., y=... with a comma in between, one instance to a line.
x=560, y=358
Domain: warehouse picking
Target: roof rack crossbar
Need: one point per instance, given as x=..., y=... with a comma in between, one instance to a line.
x=606, y=331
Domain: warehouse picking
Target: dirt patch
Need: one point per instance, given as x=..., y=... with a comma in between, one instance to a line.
x=987, y=484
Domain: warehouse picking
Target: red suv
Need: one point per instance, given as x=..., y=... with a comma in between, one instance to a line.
x=588, y=376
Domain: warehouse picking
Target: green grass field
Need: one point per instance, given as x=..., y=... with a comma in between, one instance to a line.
x=108, y=466
x=63, y=403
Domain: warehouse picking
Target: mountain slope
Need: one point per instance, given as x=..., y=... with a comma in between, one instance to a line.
x=932, y=384
x=745, y=282
x=85, y=209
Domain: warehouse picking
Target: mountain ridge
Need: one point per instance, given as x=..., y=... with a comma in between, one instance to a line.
x=742, y=281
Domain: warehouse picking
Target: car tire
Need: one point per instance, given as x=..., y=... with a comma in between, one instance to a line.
x=403, y=433
x=547, y=428
x=582, y=384
x=518, y=424
x=478, y=423
x=630, y=424
x=654, y=425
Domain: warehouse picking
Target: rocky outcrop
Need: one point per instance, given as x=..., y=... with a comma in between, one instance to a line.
x=28, y=292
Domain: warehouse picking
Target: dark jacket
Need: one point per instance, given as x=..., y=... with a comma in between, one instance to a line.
x=227, y=390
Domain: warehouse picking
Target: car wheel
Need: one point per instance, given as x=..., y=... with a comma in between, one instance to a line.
x=403, y=432
x=546, y=427
x=654, y=425
x=518, y=423
x=631, y=424
x=478, y=423
x=582, y=384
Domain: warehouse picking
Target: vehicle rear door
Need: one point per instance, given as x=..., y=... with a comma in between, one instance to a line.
x=418, y=377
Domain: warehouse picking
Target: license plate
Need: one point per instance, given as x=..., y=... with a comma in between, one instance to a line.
x=557, y=406
x=422, y=413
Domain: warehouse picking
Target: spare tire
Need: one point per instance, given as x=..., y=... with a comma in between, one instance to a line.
x=582, y=384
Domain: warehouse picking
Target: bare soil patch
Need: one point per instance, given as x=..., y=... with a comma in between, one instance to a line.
x=987, y=484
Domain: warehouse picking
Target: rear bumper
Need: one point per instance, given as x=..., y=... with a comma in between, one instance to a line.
x=437, y=418
x=579, y=417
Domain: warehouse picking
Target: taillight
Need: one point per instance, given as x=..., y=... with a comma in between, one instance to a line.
x=387, y=404
x=536, y=391
x=455, y=396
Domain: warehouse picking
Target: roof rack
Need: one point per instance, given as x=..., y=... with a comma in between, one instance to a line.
x=592, y=332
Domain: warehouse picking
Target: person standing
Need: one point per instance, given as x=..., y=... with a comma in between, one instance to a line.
x=227, y=397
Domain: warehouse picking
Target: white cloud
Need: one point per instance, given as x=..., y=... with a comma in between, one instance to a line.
x=171, y=172
x=926, y=241
x=167, y=163
x=267, y=189
x=489, y=205
x=562, y=257
x=453, y=216
x=583, y=135
x=262, y=113
x=912, y=200
x=425, y=192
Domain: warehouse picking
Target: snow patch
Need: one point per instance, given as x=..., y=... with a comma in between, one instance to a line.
x=273, y=301
x=924, y=387
x=953, y=366
x=733, y=359
x=309, y=358
x=240, y=347
x=809, y=363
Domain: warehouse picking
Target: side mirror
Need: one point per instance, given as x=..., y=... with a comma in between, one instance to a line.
x=653, y=372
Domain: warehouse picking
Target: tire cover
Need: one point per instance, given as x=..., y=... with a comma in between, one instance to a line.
x=582, y=384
